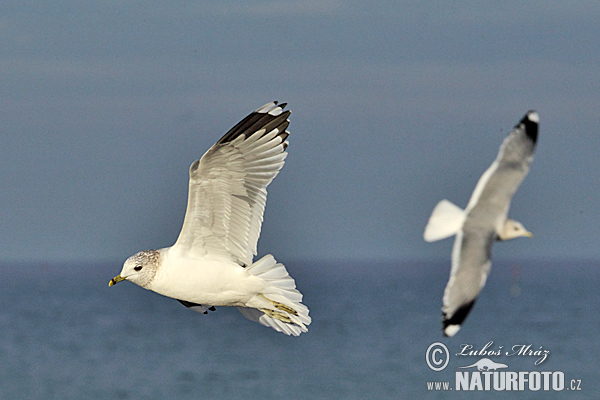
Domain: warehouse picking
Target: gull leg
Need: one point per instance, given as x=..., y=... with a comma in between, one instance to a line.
x=280, y=306
x=277, y=315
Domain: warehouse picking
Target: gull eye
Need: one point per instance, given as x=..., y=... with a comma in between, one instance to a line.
x=137, y=268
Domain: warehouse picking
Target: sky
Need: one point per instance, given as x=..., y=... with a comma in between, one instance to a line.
x=395, y=106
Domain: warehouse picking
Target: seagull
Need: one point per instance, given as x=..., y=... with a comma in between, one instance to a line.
x=211, y=263
x=482, y=222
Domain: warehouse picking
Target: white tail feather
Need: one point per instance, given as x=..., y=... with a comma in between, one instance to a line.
x=281, y=289
x=445, y=221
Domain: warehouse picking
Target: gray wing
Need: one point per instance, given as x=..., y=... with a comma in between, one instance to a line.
x=228, y=187
x=471, y=262
x=500, y=181
x=486, y=213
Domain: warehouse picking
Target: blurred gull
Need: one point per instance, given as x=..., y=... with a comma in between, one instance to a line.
x=482, y=222
x=211, y=264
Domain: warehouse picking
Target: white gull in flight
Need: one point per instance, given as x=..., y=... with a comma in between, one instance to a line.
x=211, y=264
x=482, y=222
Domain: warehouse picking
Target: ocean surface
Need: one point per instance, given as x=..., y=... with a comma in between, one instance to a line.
x=64, y=334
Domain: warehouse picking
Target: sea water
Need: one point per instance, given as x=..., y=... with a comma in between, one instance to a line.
x=64, y=334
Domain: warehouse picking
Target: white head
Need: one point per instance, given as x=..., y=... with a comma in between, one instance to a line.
x=140, y=268
x=513, y=229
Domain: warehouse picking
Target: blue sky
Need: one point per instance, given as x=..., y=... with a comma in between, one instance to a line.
x=395, y=105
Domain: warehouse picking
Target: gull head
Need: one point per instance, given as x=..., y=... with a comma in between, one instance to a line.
x=140, y=268
x=513, y=229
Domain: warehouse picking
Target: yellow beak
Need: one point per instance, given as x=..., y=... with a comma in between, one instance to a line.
x=115, y=280
x=529, y=235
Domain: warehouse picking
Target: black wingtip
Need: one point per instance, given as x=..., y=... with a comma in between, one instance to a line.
x=458, y=317
x=530, y=123
x=282, y=105
x=266, y=117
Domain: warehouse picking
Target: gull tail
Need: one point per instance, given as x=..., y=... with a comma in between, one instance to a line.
x=280, y=303
x=445, y=221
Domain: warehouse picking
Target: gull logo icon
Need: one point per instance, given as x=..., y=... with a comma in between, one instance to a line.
x=485, y=364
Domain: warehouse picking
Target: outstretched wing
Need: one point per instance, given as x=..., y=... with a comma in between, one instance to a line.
x=471, y=262
x=500, y=181
x=227, y=190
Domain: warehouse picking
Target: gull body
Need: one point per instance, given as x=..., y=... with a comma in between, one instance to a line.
x=205, y=281
x=483, y=222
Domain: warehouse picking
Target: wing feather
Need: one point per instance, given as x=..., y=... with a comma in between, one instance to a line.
x=227, y=188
